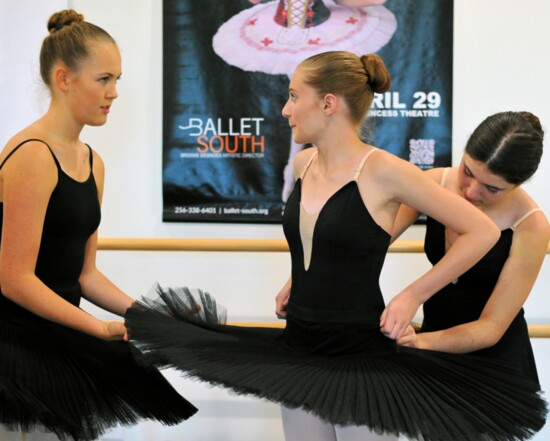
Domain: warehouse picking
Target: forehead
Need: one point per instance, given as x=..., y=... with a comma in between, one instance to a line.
x=298, y=84
x=482, y=173
x=297, y=79
x=103, y=56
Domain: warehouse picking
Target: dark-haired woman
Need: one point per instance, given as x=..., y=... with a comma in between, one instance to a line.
x=336, y=375
x=65, y=374
x=482, y=310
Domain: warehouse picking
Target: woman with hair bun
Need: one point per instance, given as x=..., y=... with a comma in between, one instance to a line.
x=65, y=374
x=337, y=376
x=481, y=312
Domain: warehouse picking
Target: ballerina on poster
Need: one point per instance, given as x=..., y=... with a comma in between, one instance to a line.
x=274, y=37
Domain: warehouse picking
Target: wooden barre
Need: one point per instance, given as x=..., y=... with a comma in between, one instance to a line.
x=245, y=245
x=535, y=331
x=248, y=245
x=254, y=245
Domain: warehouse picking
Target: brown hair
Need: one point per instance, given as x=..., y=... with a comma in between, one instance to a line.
x=68, y=39
x=345, y=74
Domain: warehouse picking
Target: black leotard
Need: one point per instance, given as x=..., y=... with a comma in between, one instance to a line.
x=73, y=384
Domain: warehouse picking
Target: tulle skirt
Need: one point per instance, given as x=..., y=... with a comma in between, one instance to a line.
x=252, y=40
x=346, y=374
x=75, y=385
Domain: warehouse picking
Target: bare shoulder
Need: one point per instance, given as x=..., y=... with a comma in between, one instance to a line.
x=26, y=153
x=98, y=160
x=528, y=214
x=436, y=174
x=389, y=167
x=301, y=160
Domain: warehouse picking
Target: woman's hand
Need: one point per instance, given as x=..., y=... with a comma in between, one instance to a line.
x=281, y=300
x=114, y=330
x=398, y=315
x=408, y=338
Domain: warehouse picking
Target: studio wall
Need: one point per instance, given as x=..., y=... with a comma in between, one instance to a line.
x=500, y=63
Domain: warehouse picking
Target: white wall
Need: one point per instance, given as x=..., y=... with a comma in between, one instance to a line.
x=500, y=63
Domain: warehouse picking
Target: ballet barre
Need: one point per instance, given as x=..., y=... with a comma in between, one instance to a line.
x=535, y=331
x=254, y=245
x=223, y=245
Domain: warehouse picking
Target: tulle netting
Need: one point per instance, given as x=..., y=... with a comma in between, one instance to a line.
x=75, y=385
x=424, y=395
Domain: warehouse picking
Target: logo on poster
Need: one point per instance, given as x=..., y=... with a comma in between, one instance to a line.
x=236, y=138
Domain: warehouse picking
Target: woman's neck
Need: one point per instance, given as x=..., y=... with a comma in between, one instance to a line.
x=59, y=128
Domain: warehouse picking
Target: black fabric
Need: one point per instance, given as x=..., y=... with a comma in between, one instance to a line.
x=75, y=385
x=341, y=284
x=463, y=300
x=332, y=358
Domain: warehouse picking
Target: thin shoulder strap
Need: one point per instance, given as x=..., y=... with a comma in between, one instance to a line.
x=525, y=216
x=362, y=163
x=91, y=157
x=444, y=176
x=24, y=142
x=307, y=165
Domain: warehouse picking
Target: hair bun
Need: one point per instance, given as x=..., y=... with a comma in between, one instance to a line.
x=63, y=18
x=378, y=76
x=534, y=122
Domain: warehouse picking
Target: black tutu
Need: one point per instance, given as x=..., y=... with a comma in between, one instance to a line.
x=424, y=395
x=75, y=385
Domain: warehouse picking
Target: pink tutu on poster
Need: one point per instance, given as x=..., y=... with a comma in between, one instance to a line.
x=275, y=37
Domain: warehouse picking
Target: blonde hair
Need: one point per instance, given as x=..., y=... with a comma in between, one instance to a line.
x=345, y=74
x=67, y=41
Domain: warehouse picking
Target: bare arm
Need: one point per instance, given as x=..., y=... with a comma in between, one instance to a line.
x=406, y=184
x=406, y=215
x=28, y=179
x=513, y=287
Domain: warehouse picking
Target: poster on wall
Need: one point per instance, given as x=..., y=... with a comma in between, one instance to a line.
x=227, y=150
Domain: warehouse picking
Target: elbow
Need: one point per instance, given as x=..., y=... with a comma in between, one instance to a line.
x=87, y=278
x=9, y=285
x=492, y=335
x=13, y=282
x=491, y=339
x=490, y=234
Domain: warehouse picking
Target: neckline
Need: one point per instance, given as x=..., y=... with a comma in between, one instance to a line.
x=318, y=212
x=76, y=181
x=329, y=200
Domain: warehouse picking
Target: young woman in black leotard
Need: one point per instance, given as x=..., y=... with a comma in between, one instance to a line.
x=481, y=311
x=64, y=372
x=332, y=369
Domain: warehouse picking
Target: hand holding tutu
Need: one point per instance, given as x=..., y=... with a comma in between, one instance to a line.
x=281, y=301
x=398, y=315
x=114, y=330
x=408, y=338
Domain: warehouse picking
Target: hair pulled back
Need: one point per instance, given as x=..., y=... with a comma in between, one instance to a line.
x=510, y=144
x=68, y=40
x=345, y=74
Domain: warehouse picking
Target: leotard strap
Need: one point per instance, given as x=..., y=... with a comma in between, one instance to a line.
x=525, y=216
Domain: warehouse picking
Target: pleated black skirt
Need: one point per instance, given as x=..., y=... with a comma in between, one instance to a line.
x=345, y=374
x=75, y=385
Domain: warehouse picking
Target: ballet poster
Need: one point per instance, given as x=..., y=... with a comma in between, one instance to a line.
x=227, y=150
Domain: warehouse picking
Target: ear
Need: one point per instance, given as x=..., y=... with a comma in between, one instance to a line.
x=330, y=103
x=61, y=78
